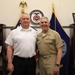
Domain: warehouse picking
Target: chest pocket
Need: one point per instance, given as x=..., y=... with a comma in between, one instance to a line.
x=50, y=41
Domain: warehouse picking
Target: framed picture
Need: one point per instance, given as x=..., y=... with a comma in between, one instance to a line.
x=35, y=16
x=0, y=61
x=73, y=14
x=0, y=47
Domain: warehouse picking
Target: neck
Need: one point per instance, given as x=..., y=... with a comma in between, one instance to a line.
x=45, y=31
x=25, y=27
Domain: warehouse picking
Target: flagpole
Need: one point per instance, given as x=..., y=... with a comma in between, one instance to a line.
x=53, y=10
x=23, y=4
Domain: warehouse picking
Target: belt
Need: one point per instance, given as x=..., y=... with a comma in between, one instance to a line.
x=44, y=56
x=24, y=57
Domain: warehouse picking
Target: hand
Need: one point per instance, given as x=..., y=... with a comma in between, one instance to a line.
x=10, y=67
x=56, y=70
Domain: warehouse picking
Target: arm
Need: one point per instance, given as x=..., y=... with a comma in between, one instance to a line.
x=58, y=60
x=9, y=58
x=59, y=56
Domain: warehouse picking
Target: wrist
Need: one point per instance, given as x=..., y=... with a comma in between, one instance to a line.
x=9, y=62
x=58, y=65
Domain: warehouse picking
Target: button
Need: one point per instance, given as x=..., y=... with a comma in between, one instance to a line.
x=44, y=57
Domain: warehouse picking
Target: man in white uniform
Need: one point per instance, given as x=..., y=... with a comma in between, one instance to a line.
x=21, y=44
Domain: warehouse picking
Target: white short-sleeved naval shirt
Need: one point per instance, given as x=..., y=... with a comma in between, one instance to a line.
x=23, y=41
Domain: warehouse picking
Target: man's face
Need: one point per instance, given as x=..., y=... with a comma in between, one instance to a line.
x=25, y=20
x=44, y=24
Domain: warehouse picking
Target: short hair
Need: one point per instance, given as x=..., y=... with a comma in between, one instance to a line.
x=23, y=14
x=44, y=18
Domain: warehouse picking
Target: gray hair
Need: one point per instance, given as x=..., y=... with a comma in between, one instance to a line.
x=44, y=18
x=24, y=14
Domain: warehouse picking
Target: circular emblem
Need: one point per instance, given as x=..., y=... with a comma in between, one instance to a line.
x=64, y=48
x=35, y=16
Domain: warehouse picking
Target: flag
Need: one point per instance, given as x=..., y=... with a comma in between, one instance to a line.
x=65, y=61
x=18, y=24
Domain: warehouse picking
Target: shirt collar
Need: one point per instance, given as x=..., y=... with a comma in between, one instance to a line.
x=48, y=33
x=22, y=29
